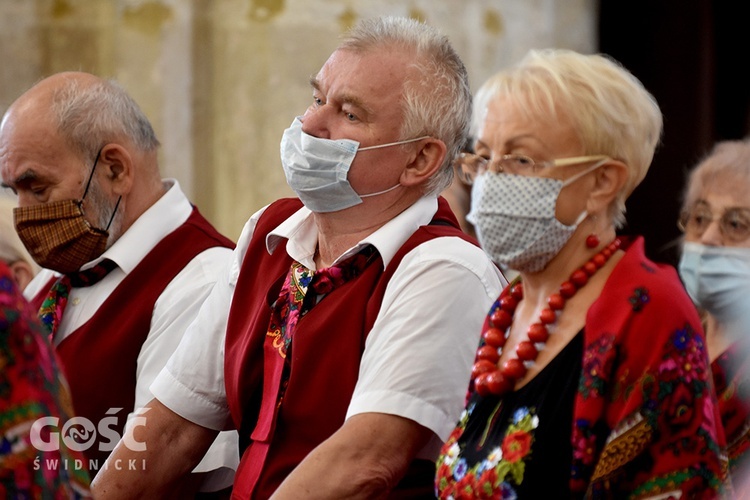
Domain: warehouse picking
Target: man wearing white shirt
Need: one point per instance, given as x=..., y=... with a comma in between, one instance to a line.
x=82, y=158
x=340, y=340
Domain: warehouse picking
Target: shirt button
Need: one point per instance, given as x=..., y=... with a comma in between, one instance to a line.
x=76, y=301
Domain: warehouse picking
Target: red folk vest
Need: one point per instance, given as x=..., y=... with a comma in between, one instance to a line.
x=325, y=356
x=99, y=358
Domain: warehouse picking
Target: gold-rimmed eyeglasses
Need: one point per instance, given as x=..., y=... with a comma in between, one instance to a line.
x=734, y=223
x=470, y=165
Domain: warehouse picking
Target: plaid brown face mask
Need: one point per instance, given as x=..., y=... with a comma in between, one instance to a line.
x=58, y=236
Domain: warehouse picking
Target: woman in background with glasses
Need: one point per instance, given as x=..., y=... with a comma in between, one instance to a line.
x=592, y=378
x=715, y=268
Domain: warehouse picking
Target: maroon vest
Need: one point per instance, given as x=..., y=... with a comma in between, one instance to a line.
x=99, y=358
x=325, y=356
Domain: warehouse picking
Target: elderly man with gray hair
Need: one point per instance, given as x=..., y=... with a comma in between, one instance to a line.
x=340, y=340
x=127, y=258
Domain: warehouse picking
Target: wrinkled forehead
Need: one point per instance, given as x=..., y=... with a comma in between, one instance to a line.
x=506, y=115
x=530, y=103
x=376, y=71
x=722, y=187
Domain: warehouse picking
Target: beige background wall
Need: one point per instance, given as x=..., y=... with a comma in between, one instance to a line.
x=221, y=79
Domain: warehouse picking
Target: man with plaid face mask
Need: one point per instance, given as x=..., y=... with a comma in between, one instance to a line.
x=128, y=259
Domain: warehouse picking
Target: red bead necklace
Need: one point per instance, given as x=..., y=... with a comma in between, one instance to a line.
x=487, y=377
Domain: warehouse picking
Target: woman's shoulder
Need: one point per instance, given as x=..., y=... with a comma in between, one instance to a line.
x=641, y=294
x=636, y=271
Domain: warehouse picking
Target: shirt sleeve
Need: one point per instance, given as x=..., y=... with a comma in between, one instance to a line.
x=192, y=382
x=175, y=309
x=418, y=356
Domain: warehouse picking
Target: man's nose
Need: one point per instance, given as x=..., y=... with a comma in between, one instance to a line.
x=315, y=121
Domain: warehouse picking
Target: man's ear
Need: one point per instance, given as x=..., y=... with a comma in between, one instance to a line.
x=427, y=159
x=610, y=179
x=117, y=166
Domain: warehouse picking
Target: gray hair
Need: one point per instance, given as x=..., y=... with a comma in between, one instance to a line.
x=437, y=103
x=728, y=162
x=88, y=116
x=611, y=111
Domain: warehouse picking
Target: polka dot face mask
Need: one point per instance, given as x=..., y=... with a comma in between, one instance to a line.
x=514, y=217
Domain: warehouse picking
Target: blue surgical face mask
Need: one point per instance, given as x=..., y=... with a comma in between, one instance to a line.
x=317, y=169
x=718, y=280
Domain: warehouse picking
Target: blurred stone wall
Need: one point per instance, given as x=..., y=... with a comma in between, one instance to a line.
x=221, y=79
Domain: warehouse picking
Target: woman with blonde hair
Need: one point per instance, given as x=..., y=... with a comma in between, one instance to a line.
x=592, y=376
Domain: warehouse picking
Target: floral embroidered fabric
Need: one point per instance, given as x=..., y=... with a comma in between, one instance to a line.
x=506, y=445
x=644, y=422
x=294, y=301
x=731, y=372
x=30, y=389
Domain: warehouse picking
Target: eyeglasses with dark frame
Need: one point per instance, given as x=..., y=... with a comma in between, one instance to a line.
x=470, y=165
x=734, y=222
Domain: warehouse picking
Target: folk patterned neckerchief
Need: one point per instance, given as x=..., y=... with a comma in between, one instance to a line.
x=302, y=290
x=51, y=311
x=294, y=300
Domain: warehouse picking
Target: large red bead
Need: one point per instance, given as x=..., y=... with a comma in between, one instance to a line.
x=489, y=353
x=592, y=241
x=556, y=301
x=517, y=291
x=590, y=268
x=538, y=333
x=497, y=383
x=568, y=289
x=480, y=384
x=598, y=260
x=482, y=366
x=494, y=337
x=513, y=369
x=579, y=278
x=508, y=303
x=501, y=319
x=526, y=350
x=547, y=316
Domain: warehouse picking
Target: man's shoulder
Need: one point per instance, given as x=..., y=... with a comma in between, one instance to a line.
x=198, y=227
x=278, y=211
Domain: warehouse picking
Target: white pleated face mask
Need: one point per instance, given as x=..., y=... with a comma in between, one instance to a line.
x=317, y=169
x=718, y=280
x=514, y=217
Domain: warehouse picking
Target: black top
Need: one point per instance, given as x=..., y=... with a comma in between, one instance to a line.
x=532, y=429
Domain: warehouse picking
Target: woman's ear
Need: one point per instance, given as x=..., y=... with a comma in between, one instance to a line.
x=427, y=159
x=117, y=166
x=609, y=181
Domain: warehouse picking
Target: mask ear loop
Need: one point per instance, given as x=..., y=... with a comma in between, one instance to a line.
x=571, y=180
x=380, y=192
x=577, y=176
x=113, y=213
x=88, y=183
x=91, y=175
x=389, y=144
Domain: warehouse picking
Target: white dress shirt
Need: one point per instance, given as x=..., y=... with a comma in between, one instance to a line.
x=174, y=310
x=418, y=356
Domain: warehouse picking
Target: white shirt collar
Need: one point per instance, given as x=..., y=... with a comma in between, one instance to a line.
x=301, y=233
x=167, y=214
